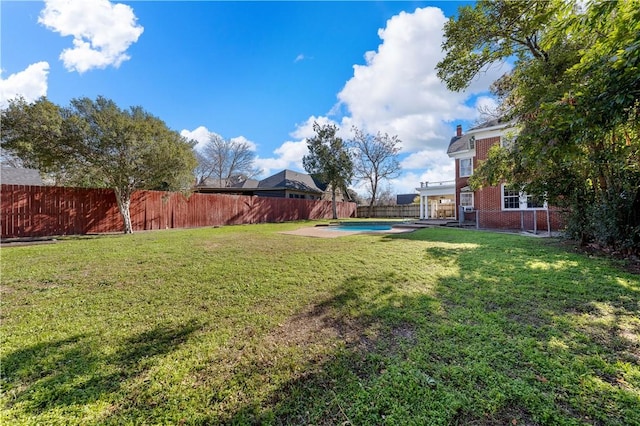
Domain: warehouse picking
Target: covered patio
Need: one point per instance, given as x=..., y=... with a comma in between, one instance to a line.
x=437, y=200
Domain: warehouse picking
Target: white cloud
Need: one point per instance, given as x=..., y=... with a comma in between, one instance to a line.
x=486, y=105
x=102, y=31
x=200, y=134
x=241, y=139
x=429, y=165
x=30, y=83
x=287, y=156
x=425, y=159
x=405, y=184
x=305, y=129
x=302, y=57
x=410, y=181
x=398, y=91
x=434, y=165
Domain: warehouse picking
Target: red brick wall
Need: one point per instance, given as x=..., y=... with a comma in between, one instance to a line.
x=521, y=219
x=482, y=147
x=488, y=201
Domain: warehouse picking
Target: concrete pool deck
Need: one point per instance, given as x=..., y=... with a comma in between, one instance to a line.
x=327, y=232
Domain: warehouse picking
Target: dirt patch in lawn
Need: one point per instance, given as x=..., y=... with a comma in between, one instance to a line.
x=319, y=325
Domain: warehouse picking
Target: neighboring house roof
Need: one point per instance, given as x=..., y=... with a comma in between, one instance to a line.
x=288, y=179
x=284, y=180
x=249, y=183
x=405, y=198
x=228, y=183
x=18, y=176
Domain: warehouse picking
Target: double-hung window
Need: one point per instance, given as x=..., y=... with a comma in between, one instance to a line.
x=510, y=198
x=466, y=167
x=466, y=199
x=515, y=199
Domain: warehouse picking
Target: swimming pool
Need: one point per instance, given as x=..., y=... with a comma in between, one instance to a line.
x=363, y=226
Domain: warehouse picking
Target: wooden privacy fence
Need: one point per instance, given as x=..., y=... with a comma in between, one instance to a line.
x=403, y=210
x=38, y=211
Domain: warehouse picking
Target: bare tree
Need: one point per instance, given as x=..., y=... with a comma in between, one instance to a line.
x=386, y=197
x=226, y=160
x=374, y=160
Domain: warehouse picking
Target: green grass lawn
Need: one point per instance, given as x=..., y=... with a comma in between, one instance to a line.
x=245, y=325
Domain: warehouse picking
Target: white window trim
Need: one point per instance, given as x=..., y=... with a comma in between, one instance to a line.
x=507, y=142
x=472, y=199
x=460, y=166
x=508, y=139
x=522, y=202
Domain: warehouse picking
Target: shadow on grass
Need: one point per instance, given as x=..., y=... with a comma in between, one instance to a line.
x=521, y=334
x=75, y=371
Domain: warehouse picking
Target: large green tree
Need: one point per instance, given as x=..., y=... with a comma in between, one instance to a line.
x=32, y=133
x=329, y=159
x=95, y=143
x=375, y=160
x=574, y=91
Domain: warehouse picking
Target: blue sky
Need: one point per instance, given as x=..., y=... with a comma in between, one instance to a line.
x=261, y=71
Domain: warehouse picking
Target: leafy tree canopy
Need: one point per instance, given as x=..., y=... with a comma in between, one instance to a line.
x=574, y=91
x=94, y=143
x=329, y=159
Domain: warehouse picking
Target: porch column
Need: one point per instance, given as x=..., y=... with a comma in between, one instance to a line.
x=425, y=214
x=421, y=206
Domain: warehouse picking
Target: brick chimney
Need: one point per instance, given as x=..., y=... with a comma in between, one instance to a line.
x=459, y=130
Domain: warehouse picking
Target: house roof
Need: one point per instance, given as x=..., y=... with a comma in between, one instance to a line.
x=405, y=198
x=249, y=183
x=19, y=176
x=461, y=143
x=489, y=123
x=288, y=179
x=284, y=180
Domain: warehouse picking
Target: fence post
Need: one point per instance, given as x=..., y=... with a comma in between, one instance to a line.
x=548, y=223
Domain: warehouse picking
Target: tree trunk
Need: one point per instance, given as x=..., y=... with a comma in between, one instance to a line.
x=374, y=192
x=124, y=202
x=333, y=202
x=373, y=200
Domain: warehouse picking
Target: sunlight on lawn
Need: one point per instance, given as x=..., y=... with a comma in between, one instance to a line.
x=548, y=266
x=246, y=325
x=629, y=283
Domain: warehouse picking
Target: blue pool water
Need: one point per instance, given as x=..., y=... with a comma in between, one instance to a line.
x=361, y=227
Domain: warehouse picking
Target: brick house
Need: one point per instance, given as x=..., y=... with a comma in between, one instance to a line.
x=495, y=207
